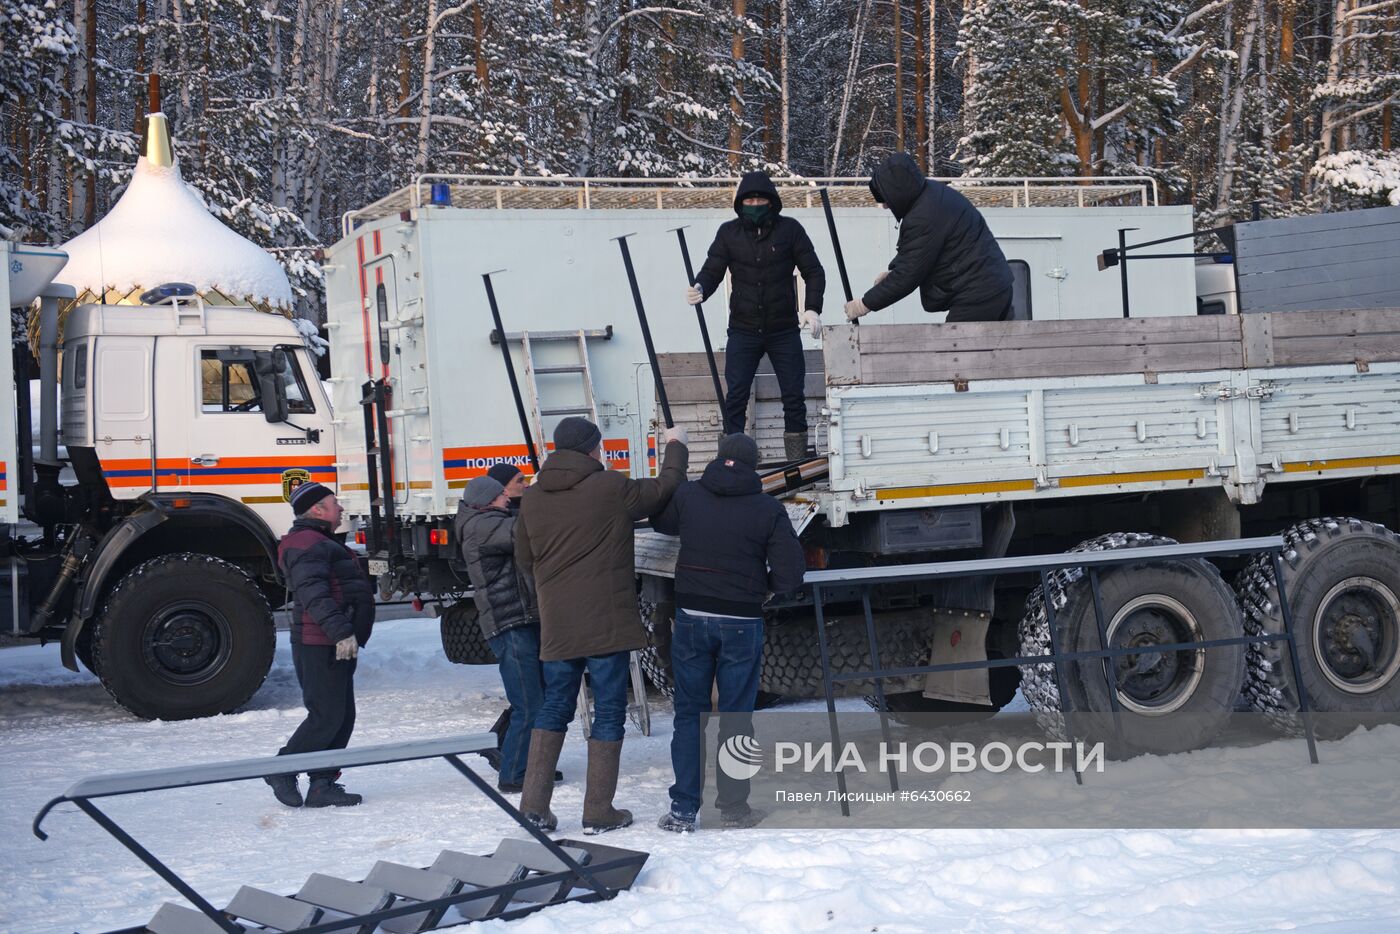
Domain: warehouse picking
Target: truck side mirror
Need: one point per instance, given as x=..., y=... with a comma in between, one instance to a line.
x=268, y=367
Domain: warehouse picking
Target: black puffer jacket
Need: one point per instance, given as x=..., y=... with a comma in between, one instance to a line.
x=763, y=297
x=737, y=543
x=331, y=593
x=945, y=249
x=504, y=595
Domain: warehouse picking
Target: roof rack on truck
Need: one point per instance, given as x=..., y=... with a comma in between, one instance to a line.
x=570, y=193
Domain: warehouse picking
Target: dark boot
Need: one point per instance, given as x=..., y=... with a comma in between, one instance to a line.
x=538, y=790
x=599, y=816
x=741, y=817
x=325, y=793
x=284, y=787
x=677, y=823
x=501, y=725
x=794, y=445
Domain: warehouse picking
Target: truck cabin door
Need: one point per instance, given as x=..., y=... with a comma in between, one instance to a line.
x=124, y=417
x=236, y=452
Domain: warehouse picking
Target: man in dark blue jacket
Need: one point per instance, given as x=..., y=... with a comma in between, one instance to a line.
x=760, y=249
x=737, y=547
x=332, y=615
x=945, y=250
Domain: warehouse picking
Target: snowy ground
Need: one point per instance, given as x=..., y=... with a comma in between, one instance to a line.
x=56, y=726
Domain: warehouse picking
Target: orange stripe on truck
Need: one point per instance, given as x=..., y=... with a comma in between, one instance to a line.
x=467, y=462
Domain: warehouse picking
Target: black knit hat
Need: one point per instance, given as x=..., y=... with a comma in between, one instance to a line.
x=739, y=447
x=577, y=434
x=308, y=495
x=503, y=472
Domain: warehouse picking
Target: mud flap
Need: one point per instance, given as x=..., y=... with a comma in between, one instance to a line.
x=959, y=636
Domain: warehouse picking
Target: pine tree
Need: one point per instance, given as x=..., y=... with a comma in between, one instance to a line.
x=1086, y=87
x=35, y=44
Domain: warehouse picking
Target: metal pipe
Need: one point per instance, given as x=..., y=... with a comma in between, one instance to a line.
x=1123, y=266
x=510, y=371
x=48, y=380
x=700, y=316
x=24, y=426
x=646, y=331
x=836, y=245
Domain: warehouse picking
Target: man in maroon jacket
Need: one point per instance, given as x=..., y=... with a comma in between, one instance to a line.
x=332, y=615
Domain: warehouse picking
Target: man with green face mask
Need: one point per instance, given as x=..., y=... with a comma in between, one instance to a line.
x=761, y=249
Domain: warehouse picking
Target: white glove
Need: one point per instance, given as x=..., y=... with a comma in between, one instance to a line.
x=812, y=322
x=856, y=309
x=693, y=296
x=880, y=276
x=678, y=434
x=347, y=649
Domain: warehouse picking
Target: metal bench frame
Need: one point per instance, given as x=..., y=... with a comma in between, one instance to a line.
x=85, y=792
x=1091, y=562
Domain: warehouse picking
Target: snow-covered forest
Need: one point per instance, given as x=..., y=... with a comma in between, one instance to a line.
x=289, y=112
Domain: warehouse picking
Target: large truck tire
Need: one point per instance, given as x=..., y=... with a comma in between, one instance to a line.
x=1169, y=702
x=462, y=640
x=1343, y=579
x=656, y=656
x=183, y=636
x=792, y=661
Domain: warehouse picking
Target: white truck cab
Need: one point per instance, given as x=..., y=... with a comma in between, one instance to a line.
x=186, y=428
x=173, y=398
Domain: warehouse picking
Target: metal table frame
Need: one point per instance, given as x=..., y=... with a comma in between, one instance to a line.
x=85, y=792
x=1091, y=562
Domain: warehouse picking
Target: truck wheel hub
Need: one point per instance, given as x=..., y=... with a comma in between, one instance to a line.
x=1155, y=683
x=187, y=643
x=1355, y=635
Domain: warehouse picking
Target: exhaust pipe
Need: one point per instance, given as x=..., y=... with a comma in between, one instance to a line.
x=48, y=378
x=47, y=506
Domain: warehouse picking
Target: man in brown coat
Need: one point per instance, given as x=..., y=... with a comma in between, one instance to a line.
x=574, y=537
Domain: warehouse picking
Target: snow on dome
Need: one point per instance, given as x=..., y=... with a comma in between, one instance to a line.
x=159, y=231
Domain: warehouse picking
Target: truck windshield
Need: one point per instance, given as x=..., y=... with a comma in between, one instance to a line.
x=228, y=383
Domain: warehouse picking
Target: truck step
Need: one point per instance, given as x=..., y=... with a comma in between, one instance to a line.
x=273, y=911
x=418, y=885
x=481, y=872
x=341, y=898
x=534, y=856
x=177, y=919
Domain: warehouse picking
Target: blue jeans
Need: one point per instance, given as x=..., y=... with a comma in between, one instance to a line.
x=609, y=677
x=518, y=651
x=741, y=357
x=709, y=650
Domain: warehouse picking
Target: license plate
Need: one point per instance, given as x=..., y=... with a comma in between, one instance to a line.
x=378, y=567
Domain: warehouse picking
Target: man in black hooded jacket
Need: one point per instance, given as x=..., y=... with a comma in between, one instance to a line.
x=760, y=249
x=737, y=546
x=945, y=250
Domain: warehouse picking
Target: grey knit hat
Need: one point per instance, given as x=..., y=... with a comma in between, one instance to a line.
x=577, y=434
x=739, y=447
x=482, y=490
